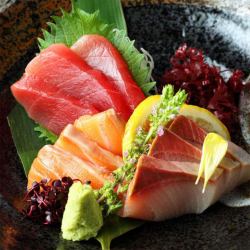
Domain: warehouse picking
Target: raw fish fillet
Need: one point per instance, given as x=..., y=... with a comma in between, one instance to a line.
x=100, y=54
x=164, y=183
x=54, y=163
x=57, y=72
x=52, y=112
x=191, y=132
x=171, y=147
x=188, y=130
x=74, y=141
x=161, y=190
x=78, y=155
x=105, y=128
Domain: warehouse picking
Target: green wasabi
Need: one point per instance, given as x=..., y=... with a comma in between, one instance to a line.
x=82, y=217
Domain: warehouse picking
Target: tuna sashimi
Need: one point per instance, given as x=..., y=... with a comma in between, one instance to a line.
x=163, y=189
x=100, y=54
x=49, y=110
x=171, y=147
x=105, y=128
x=59, y=73
x=188, y=130
x=74, y=141
x=54, y=163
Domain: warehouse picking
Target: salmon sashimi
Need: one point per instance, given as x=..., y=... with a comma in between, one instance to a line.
x=105, y=128
x=74, y=141
x=100, y=54
x=57, y=72
x=54, y=163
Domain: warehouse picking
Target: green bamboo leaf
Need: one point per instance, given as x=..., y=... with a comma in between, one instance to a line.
x=114, y=227
x=110, y=11
x=25, y=138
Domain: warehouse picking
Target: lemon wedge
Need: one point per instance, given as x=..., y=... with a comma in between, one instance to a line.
x=213, y=151
x=138, y=119
x=201, y=116
x=205, y=119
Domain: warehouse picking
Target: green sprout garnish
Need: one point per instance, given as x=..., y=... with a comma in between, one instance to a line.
x=168, y=107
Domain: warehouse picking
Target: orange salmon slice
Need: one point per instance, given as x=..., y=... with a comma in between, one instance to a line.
x=105, y=128
x=54, y=163
x=75, y=142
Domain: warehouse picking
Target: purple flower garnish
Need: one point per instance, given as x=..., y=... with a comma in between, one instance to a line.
x=160, y=131
x=132, y=160
x=126, y=154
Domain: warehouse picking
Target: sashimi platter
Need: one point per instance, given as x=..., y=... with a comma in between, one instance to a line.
x=108, y=146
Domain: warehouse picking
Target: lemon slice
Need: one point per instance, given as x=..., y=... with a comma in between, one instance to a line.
x=213, y=151
x=138, y=119
x=205, y=119
x=201, y=116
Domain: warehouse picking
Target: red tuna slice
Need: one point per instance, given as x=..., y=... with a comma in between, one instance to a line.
x=79, y=81
x=162, y=190
x=188, y=130
x=171, y=147
x=58, y=72
x=100, y=54
x=52, y=112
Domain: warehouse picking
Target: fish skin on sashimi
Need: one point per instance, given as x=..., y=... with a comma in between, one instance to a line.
x=58, y=72
x=99, y=53
x=54, y=163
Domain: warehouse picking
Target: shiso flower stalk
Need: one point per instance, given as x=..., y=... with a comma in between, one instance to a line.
x=167, y=109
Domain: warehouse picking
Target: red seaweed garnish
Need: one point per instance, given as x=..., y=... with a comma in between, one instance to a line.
x=205, y=85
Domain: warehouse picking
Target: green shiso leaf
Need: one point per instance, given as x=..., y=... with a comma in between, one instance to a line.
x=48, y=136
x=114, y=227
x=110, y=11
x=71, y=26
x=25, y=138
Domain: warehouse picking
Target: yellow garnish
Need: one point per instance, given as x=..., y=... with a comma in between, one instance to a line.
x=213, y=151
x=138, y=119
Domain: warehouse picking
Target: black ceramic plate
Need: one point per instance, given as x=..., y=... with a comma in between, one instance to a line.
x=225, y=37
